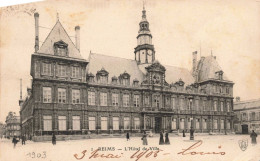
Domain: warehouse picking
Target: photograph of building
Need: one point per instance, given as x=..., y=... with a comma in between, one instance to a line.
x=12, y=127
x=247, y=116
x=71, y=95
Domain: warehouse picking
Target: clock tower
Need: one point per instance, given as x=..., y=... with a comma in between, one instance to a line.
x=144, y=52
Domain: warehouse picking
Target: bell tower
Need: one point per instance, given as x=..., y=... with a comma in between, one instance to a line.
x=144, y=52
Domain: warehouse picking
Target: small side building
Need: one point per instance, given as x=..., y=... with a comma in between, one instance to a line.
x=247, y=116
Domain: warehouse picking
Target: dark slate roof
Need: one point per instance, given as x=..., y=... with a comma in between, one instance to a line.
x=207, y=67
x=58, y=33
x=116, y=66
x=247, y=104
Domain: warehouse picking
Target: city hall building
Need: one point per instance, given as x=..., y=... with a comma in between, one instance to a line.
x=109, y=95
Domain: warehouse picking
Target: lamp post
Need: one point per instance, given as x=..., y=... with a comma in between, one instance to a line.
x=191, y=123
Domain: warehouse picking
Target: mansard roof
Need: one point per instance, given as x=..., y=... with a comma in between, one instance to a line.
x=114, y=65
x=248, y=104
x=58, y=34
x=207, y=68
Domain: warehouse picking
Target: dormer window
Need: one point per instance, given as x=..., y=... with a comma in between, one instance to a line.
x=219, y=75
x=114, y=80
x=90, y=77
x=61, y=48
x=135, y=82
x=102, y=76
x=124, y=79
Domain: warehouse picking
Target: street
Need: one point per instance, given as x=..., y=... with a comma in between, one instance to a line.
x=204, y=147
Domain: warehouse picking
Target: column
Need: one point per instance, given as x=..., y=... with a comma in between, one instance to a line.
x=144, y=122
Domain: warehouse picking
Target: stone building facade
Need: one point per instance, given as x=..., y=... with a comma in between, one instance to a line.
x=247, y=116
x=105, y=94
x=13, y=127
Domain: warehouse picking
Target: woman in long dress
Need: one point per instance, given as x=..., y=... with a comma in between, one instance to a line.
x=161, y=141
x=167, y=141
x=144, y=138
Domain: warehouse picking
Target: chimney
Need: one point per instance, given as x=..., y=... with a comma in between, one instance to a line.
x=215, y=57
x=237, y=99
x=77, y=37
x=194, y=62
x=36, y=17
x=21, y=99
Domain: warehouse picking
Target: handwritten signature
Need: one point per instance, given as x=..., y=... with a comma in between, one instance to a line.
x=147, y=153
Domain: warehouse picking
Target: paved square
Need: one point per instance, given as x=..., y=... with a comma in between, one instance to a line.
x=225, y=147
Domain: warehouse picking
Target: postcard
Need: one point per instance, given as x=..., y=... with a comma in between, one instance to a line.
x=130, y=80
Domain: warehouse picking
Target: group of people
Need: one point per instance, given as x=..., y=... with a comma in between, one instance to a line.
x=16, y=140
x=162, y=141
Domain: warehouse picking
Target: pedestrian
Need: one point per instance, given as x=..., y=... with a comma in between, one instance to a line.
x=144, y=138
x=53, y=139
x=127, y=136
x=23, y=139
x=14, y=141
x=167, y=141
x=253, y=137
x=161, y=141
x=183, y=133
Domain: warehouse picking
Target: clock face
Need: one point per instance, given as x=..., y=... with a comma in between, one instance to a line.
x=149, y=52
x=156, y=79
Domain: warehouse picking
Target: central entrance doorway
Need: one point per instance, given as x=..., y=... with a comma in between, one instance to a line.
x=244, y=129
x=158, y=124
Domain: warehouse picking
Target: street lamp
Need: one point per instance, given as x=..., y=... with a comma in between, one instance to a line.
x=191, y=126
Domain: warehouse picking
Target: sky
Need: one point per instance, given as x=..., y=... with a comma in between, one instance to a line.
x=228, y=29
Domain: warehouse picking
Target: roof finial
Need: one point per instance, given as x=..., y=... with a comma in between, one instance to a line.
x=143, y=5
x=144, y=12
x=57, y=16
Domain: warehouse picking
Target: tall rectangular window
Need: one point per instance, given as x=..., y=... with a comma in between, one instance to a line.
x=115, y=99
x=62, y=123
x=174, y=124
x=182, y=123
x=157, y=101
x=75, y=122
x=47, y=123
x=196, y=105
x=228, y=124
x=46, y=69
x=92, y=123
x=204, y=105
x=136, y=100
x=115, y=123
x=197, y=124
x=189, y=123
x=91, y=98
x=75, y=72
x=222, y=124
x=103, y=99
x=182, y=104
x=103, y=123
x=146, y=100
x=126, y=100
x=75, y=96
x=173, y=103
x=215, y=123
x=204, y=124
x=215, y=106
x=61, y=51
x=62, y=70
x=126, y=123
x=61, y=95
x=46, y=94
x=228, y=107
x=167, y=101
x=136, y=123
x=221, y=106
